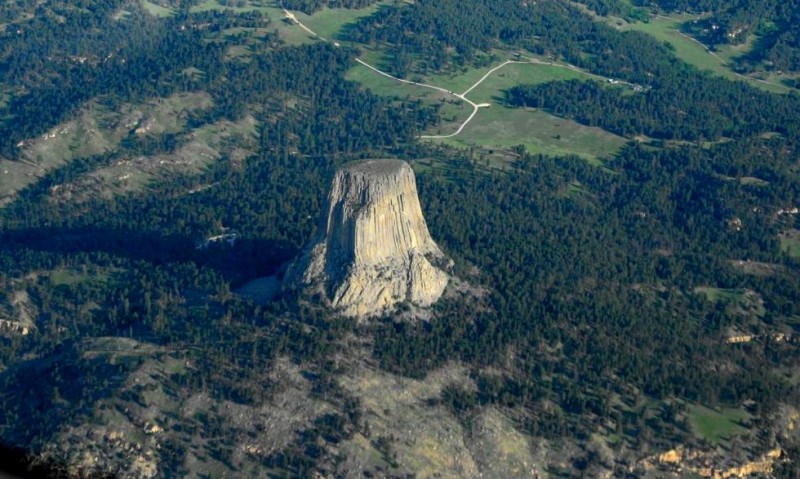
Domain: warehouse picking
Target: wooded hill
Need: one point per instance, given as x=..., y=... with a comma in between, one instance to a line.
x=610, y=292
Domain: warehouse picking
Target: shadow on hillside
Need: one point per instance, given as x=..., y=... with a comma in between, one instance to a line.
x=244, y=260
x=17, y=463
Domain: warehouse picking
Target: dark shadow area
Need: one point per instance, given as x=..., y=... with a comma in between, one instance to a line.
x=46, y=390
x=243, y=260
x=349, y=30
x=16, y=463
x=760, y=47
x=792, y=82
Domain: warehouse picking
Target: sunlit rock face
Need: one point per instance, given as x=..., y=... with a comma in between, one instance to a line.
x=372, y=250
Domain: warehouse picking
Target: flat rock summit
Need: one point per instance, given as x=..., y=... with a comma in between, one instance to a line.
x=372, y=250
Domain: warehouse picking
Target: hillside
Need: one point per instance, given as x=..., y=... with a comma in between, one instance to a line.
x=622, y=225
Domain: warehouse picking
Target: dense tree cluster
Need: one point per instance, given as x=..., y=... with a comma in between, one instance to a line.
x=590, y=273
x=617, y=8
x=52, y=67
x=663, y=221
x=338, y=120
x=435, y=35
x=774, y=23
x=146, y=280
x=446, y=35
x=709, y=109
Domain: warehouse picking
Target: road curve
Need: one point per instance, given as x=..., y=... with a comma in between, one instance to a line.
x=460, y=96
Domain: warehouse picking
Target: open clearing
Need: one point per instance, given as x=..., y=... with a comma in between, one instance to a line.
x=286, y=30
x=790, y=243
x=716, y=426
x=74, y=276
x=460, y=81
x=384, y=86
x=691, y=51
x=500, y=126
x=743, y=302
x=327, y=22
x=67, y=277
x=503, y=127
x=208, y=5
x=410, y=430
x=157, y=10
x=539, y=132
x=491, y=90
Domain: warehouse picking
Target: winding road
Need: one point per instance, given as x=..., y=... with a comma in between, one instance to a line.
x=478, y=106
x=460, y=96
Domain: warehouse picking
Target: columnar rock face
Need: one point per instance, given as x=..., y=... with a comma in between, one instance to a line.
x=372, y=250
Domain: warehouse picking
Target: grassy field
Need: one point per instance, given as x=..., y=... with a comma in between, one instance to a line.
x=491, y=90
x=716, y=426
x=739, y=301
x=465, y=78
x=208, y=5
x=753, y=181
x=384, y=86
x=68, y=277
x=288, y=31
x=538, y=131
x=790, y=243
x=687, y=49
x=499, y=126
x=157, y=10
x=506, y=77
x=329, y=22
x=73, y=276
x=729, y=53
x=719, y=294
x=453, y=111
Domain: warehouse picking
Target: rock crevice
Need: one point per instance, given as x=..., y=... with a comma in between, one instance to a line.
x=372, y=249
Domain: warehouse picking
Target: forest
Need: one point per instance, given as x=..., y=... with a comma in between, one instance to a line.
x=773, y=24
x=667, y=111
x=558, y=30
x=594, y=273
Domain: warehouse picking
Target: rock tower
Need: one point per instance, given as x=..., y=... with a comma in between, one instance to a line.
x=372, y=249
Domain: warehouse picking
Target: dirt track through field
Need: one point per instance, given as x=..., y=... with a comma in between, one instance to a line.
x=460, y=96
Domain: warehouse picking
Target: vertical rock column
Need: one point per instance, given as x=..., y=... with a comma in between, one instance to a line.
x=372, y=249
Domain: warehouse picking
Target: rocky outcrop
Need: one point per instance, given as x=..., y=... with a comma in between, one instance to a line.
x=372, y=249
x=706, y=464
